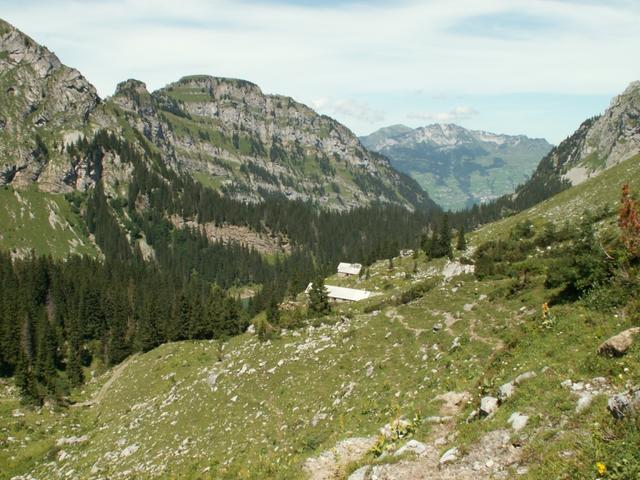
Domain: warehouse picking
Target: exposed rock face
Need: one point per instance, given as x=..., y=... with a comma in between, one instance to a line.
x=39, y=97
x=619, y=344
x=622, y=404
x=225, y=133
x=252, y=144
x=602, y=142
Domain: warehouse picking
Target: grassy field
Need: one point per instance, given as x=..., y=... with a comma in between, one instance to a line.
x=45, y=223
x=246, y=409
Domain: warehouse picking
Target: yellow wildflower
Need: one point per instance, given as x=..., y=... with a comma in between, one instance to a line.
x=601, y=467
x=545, y=310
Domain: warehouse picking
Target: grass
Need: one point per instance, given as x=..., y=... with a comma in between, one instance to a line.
x=274, y=404
x=592, y=195
x=43, y=222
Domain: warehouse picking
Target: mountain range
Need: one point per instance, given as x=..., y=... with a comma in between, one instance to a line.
x=457, y=166
x=225, y=133
x=155, y=248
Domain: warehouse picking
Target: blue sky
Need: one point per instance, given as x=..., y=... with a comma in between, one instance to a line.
x=535, y=67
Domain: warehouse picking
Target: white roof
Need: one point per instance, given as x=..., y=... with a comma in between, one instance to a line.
x=343, y=293
x=349, y=268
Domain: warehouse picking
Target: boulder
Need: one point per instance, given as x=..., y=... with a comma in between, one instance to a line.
x=412, y=446
x=523, y=377
x=506, y=391
x=449, y=456
x=518, y=421
x=488, y=405
x=619, y=344
x=584, y=402
x=360, y=474
x=622, y=404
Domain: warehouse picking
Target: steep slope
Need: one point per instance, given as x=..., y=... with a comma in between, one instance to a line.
x=598, y=144
x=228, y=134
x=330, y=396
x=604, y=141
x=225, y=133
x=459, y=167
x=43, y=104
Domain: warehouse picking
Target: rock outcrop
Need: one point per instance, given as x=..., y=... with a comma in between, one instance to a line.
x=43, y=104
x=619, y=344
x=225, y=133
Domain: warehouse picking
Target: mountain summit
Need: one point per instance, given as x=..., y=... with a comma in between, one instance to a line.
x=459, y=167
x=225, y=133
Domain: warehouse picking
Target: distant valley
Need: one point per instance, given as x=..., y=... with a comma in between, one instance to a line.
x=459, y=167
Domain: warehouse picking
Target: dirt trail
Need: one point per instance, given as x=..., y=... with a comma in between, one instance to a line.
x=393, y=315
x=115, y=374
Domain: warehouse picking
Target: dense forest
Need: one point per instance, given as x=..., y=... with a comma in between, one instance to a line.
x=68, y=313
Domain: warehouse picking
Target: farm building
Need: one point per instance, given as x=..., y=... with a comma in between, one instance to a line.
x=349, y=269
x=343, y=294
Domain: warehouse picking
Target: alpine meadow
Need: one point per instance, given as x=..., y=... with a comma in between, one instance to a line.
x=201, y=280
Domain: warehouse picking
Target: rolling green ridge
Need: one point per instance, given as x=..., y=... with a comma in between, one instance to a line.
x=247, y=408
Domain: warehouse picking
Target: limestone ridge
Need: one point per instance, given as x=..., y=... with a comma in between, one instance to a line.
x=255, y=144
x=459, y=167
x=604, y=141
x=40, y=98
x=226, y=133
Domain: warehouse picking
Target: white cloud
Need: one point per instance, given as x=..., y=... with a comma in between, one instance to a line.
x=362, y=52
x=454, y=115
x=348, y=108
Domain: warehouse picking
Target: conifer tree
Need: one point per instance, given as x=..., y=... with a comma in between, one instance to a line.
x=462, y=241
x=319, y=298
x=273, y=312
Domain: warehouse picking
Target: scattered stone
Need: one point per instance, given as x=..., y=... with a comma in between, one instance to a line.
x=524, y=376
x=452, y=402
x=518, y=421
x=577, y=387
x=412, y=446
x=621, y=404
x=251, y=329
x=329, y=463
x=130, y=450
x=619, y=344
x=584, y=402
x=360, y=474
x=506, y=391
x=455, y=344
x=472, y=416
x=449, y=456
x=437, y=327
x=71, y=440
x=488, y=405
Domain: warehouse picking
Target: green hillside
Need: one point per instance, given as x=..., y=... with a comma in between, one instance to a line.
x=247, y=408
x=42, y=222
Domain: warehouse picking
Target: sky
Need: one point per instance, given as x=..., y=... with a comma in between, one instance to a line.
x=533, y=67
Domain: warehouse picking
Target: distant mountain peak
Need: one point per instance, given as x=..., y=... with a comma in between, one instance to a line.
x=458, y=166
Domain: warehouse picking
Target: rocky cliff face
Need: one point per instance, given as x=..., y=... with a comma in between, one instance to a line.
x=459, y=167
x=226, y=133
x=605, y=141
x=42, y=105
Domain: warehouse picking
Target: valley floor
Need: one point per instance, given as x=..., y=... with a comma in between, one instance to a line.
x=251, y=409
